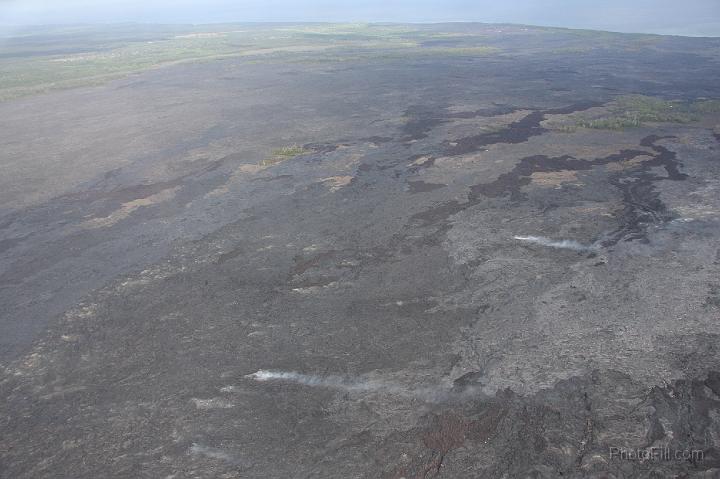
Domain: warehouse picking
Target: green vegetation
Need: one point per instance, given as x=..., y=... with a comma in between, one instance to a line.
x=707, y=106
x=613, y=123
x=640, y=109
x=285, y=153
x=43, y=60
x=634, y=111
x=24, y=75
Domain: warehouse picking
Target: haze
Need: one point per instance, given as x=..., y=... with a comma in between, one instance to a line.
x=692, y=17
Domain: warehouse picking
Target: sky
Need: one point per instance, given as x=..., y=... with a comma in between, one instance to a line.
x=686, y=17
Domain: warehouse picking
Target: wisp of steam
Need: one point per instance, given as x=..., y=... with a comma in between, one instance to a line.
x=436, y=393
x=212, y=453
x=561, y=244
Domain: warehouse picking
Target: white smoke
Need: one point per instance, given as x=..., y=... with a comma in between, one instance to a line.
x=436, y=393
x=213, y=453
x=561, y=244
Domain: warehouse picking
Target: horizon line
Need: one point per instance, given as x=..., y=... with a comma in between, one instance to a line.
x=350, y=22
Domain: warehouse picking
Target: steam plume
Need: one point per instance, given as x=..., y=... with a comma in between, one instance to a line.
x=436, y=393
x=561, y=244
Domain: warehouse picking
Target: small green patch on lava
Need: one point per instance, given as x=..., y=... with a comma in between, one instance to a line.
x=284, y=153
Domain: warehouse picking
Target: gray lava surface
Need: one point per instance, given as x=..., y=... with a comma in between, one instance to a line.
x=446, y=280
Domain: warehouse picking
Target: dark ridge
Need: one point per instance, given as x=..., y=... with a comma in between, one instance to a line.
x=321, y=148
x=579, y=106
x=361, y=173
x=513, y=181
x=418, y=128
x=440, y=212
x=517, y=132
x=642, y=205
x=468, y=379
x=713, y=382
x=422, y=119
x=641, y=202
x=423, y=187
x=665, y=158
x=483, y=112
